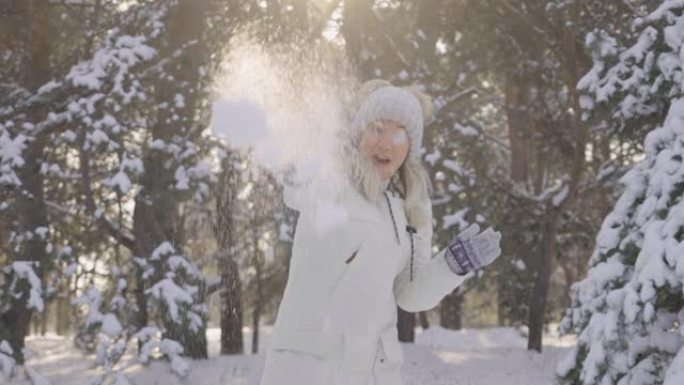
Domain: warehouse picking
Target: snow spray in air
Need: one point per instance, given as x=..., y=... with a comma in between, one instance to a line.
x=287, y=105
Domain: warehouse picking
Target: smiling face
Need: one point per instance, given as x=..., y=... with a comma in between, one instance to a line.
x=385, y=143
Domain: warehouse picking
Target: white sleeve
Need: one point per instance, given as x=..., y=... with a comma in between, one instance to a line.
x=295, y=196
x=432, y=277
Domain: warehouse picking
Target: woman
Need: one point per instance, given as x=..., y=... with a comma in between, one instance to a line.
x=336, y=324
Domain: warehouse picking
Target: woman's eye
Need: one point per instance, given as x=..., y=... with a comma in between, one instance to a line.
x=400, y=137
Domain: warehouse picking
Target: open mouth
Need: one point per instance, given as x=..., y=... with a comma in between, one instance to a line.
x=381, y=160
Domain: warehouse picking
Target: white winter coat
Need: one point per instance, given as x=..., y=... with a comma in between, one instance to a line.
x=336, y=324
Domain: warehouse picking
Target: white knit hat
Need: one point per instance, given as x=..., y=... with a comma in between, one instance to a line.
x=397, y=104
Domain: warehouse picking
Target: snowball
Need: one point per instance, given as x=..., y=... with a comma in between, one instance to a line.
x=241, y=122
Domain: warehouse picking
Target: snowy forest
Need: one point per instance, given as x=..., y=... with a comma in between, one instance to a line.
x=144, y=145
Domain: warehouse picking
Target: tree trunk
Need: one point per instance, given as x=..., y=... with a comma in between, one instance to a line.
x=35, y=29
x=450, y=311
x=141, y=317
x=156, y=215
x=518, y=121
x=424, y=322
x=256, y=315
x=500, y=303
x=63, y=315
x=541, y=284
x=258, y=305
x=510, y=286
x=574, y=63
x=225, y=231
x=406, y=323
x=567, y=263
x=231, y=308
x=44, y=321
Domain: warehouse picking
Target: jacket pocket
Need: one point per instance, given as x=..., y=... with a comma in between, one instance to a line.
x=347, y=262
x=353, y=255
x=315, y=342
x=391, y=346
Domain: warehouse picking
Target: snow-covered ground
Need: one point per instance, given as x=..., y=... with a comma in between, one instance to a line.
x=440, y=357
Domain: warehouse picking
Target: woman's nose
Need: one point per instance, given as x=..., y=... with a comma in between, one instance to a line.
x=385, y=142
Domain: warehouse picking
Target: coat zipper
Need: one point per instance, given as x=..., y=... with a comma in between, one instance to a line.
x=409, y=229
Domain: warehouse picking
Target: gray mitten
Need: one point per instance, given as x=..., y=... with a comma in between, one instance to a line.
x=471, y=250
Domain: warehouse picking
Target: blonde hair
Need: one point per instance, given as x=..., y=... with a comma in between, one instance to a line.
x=414, y=181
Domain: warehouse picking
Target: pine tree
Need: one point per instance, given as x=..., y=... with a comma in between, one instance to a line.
x=629, y=310
x=99, y=155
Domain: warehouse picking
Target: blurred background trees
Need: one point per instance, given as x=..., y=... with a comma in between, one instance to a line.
x=118, y=213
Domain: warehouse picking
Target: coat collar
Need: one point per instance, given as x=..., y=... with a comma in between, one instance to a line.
x=361, y=208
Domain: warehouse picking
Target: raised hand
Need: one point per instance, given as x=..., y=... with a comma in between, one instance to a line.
x=471, y=250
